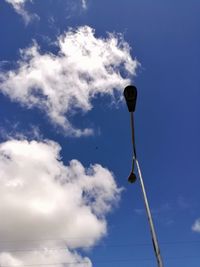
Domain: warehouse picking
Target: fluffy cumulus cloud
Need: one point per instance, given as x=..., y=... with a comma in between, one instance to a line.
x=43, y=200
x=19, y=6
x=196, y=226
x=59, y=84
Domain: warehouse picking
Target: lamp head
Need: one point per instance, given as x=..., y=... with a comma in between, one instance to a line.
x=130, y=94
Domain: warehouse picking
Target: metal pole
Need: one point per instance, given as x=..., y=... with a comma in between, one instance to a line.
x=148, y=211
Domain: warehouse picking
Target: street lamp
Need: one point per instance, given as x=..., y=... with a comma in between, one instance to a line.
x=130, y=94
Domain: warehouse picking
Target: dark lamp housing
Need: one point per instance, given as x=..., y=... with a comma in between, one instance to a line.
x=132, y=178
x=130, y=94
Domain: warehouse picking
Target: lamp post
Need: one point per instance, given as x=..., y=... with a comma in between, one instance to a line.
x=130, y=94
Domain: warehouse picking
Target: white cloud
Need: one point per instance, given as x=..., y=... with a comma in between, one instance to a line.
x=60, y=84
x=44, y=257
x=19, y=6
x=84, y=4
x=42, y=199
x=10, y=130
x=196, y=226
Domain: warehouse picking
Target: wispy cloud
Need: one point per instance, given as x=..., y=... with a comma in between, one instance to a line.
x=183, y=203
x=164, y=212
x=19, y=6
x=9, y=131
x=196, y=226
x=44, y=200
x=163, y=208
x=66, y=82
x=84, y=4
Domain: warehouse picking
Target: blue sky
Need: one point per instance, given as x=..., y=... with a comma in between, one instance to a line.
x=153, y=44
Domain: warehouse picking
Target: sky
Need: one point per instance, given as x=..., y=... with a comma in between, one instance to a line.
x=65, y=140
